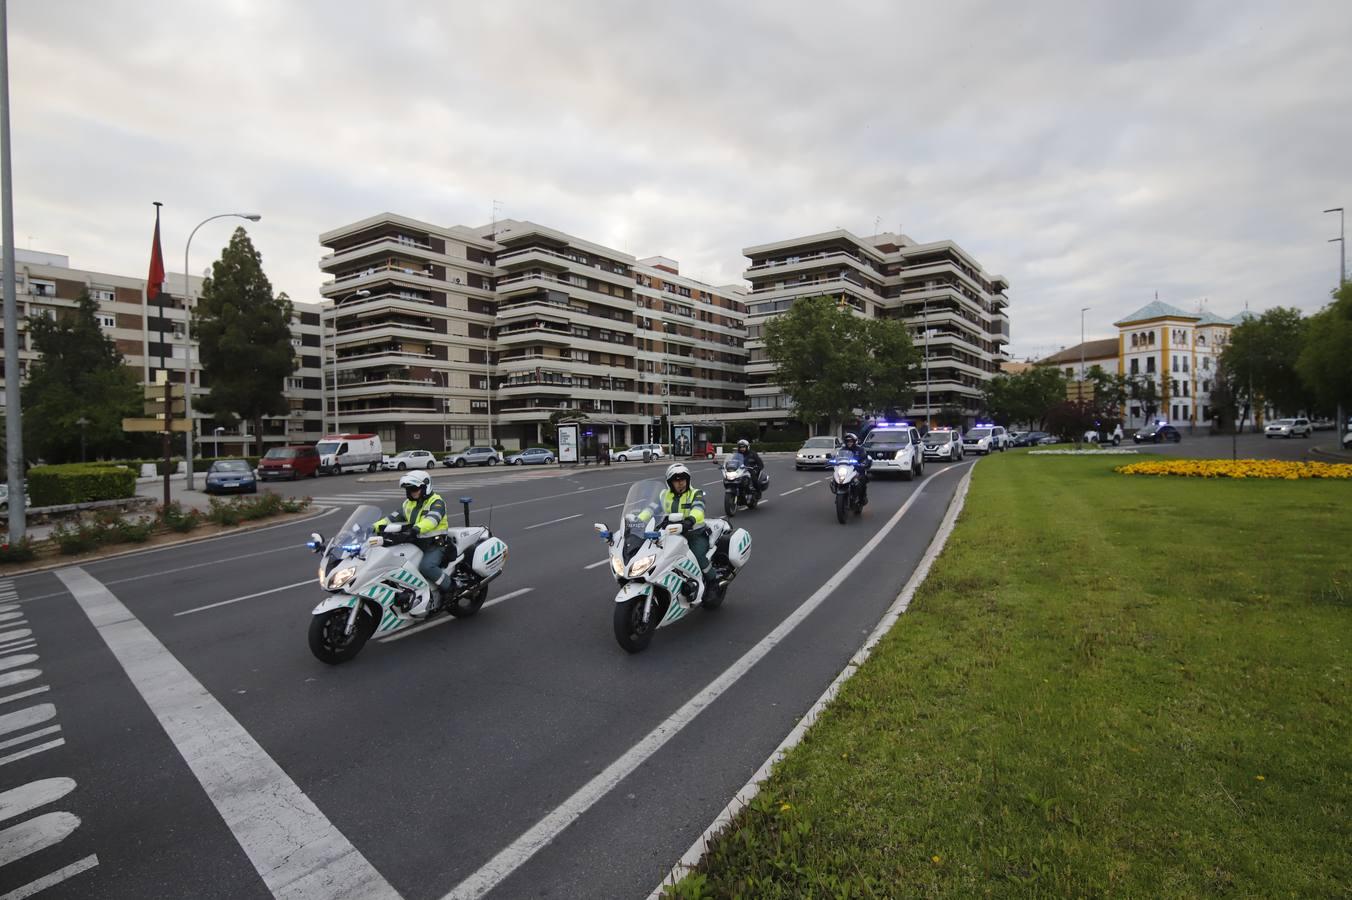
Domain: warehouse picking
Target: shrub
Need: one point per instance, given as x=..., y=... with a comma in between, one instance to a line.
x=23, y=551
x=224, y=512
x=136, y=531
x=175, y=519
x=296, y=504
x=82, y=538
x=79, y=483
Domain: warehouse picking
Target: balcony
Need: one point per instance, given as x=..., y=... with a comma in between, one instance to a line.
x=563, y=262
x=354, y=281
x=385, y=245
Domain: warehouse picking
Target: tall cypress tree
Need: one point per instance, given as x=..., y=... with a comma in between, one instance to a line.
x=80, y=375
x=245, y=337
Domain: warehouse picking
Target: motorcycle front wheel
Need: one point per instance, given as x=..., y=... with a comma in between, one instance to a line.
x=752, y=500
x=329, y=641
x=842, y=506
x=632, y=633
x=730, y=504
x=463, y=607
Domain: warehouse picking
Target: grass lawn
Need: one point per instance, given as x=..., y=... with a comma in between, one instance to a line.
x=1109, y=685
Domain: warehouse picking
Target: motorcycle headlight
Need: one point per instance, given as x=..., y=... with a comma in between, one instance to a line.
x=844, y=473
x=617, y=566
x=341, y=577
x=641, y=565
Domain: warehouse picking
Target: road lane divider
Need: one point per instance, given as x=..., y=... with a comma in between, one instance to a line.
x=445, y=620
x=276, y=590
x=553, y=521
x=293, y=846
x=599, y=562
x=516, y=854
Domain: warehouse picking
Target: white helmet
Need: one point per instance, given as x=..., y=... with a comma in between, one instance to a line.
x=677, y=469
x=743, y=445
x=415, y=480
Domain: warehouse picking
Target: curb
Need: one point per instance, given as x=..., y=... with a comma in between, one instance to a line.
x=263, y=525
x=692, y=857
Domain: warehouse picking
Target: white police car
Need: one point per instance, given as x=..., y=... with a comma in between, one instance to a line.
x=985, y=438
x=896, y=447
x=943, y=443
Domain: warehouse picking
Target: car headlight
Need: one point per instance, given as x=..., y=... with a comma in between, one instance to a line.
x=341, y=577
x=641, y=565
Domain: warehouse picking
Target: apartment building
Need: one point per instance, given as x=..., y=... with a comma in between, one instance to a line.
x=449, y=336
x=955, y=311
x=150, y=338
x=1177, y=350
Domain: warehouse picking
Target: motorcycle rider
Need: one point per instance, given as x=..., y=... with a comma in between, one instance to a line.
x=753, y=462
x=684, y=498
x=856, y=452
x=423, y=517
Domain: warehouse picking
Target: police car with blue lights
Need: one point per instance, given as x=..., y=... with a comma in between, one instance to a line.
x=944, y=443
x=985, y=437
x=895, y=447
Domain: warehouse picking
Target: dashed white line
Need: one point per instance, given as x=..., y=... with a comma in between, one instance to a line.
x=552, y=521
x=46, y=881
x=285, y=587
x=599, y=563
x=32, y=735
x=794, y=491
x=22, y=694
x=31, y=751
x=400, y=635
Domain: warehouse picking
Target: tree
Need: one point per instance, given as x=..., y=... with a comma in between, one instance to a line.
x=1025, y=397
x=1143, y=391
x=1262, y=353
x=831, y=362
x=245, y=337
x=1224, y=402
x=80, y=375
x=950, y=417
x=1325, y=362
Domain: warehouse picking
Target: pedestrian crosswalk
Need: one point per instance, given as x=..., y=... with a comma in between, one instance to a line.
x=383, y=494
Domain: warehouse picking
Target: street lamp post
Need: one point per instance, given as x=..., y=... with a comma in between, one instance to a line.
x=1342, y=246
x=217, y=434
x=82, y=422
x=929, y=410
x=187, y=337
x=361, y=293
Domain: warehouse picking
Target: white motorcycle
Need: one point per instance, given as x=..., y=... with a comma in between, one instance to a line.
x=659, y=576
x=375, y=582
x=740, y=488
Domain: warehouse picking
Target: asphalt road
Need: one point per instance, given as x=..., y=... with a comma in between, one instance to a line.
x=210, y=755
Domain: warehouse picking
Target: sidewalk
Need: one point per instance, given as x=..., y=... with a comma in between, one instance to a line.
x=152, y=489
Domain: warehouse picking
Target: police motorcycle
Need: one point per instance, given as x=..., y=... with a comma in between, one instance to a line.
x=847, y=486
x=740, y=487
x=375, y=585
x=660, y=579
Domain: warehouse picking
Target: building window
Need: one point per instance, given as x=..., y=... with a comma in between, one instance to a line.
x=106, y=321
x=1185, y=364
x=1150, y=364
x=295, y=384
x=1135, y=364
x=1206, y=363
x=1175, y=362
x=478, y=406
x=1152, y=338
x=40, y=288
x=102, y=295
x=1070, y=371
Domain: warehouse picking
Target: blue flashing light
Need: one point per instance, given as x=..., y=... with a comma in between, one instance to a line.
x=313, y=545
x=651, y=535
x=604, y=535
x=352, y=548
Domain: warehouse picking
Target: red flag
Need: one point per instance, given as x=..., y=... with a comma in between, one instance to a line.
x=155, y=280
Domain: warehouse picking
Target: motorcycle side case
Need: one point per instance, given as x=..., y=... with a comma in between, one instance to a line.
x=489, y=558
x=739, y=547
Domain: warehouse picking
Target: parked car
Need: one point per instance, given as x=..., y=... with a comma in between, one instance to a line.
x=1288, y=428
x=231, y=475
x=338, y=452
x=1034, y=439
x=944, y=443
x=644, y=452
x=472, y=456
x=896, y=448
x=289, y=462
x=532, y=456
x=1157, y=433
x=1094, y=436
x=4, y=495
x=1347, y=440
x=816, y=453
x=410, y=459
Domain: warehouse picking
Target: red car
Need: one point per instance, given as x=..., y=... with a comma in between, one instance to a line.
x=289, y=462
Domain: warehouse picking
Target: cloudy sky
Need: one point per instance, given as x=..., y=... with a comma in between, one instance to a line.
x=1093, y=152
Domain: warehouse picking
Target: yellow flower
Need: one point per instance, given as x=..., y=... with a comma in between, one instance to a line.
x=1239, y=468
x=785, y=807
x=1260, y=778
x=936, y=859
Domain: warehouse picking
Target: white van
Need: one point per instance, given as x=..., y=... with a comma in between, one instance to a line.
x=342, y=452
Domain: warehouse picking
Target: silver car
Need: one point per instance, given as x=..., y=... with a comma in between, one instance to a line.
x=816, y=453
x=1288, y=428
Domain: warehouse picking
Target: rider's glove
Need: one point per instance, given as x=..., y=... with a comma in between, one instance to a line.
x=689, y=523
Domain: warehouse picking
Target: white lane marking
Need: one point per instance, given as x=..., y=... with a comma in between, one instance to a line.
x=36, y=834
x=28, y=797
x=9, y=679
x=598, y=563
x=15, y=641
x=18, y=661
x=285, y=587
x=27, y=718
x=46, y=881
x=616, y=506
x=30, y=693
x=7, y=636
x=31, y=751
x=21, y=646
x=748, y=792
x=508, y=860
x=794, y=491
x=8, y=616
x=157, y=573
x=32, y=735
x=553, y=521
x=8, y=607
x=400, y=635
x=296, y=850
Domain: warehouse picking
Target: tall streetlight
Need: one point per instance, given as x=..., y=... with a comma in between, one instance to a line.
x=187, y=337
x=929, y=410
x=1083, y=310
x=18, y=521
x=82, y=422
x=361, y=293
x=1342, y=246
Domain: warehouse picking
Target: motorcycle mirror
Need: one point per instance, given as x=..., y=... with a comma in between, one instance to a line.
x=598, y=527
x=316, y=541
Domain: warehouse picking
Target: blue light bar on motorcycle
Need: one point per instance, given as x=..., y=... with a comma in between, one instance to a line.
x=651, y=535
x=352, y=548
x=604, y=535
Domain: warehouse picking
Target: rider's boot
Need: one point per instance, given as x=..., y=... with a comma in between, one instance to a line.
x=710, y=582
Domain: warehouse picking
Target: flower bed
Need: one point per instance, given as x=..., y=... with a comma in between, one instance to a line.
x=1238, y=468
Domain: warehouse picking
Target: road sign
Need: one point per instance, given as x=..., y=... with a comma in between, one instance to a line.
x=1080, y=390
x=156, y=409
x=156, y=391
x=180, y=425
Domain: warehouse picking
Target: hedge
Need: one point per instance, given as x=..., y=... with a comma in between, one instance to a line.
x=79, y=483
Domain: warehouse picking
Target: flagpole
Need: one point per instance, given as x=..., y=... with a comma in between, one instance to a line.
x=18, y=520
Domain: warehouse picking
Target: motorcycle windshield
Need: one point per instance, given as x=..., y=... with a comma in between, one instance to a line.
x=350, y=540
x=734, y=462
x=643, y=505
